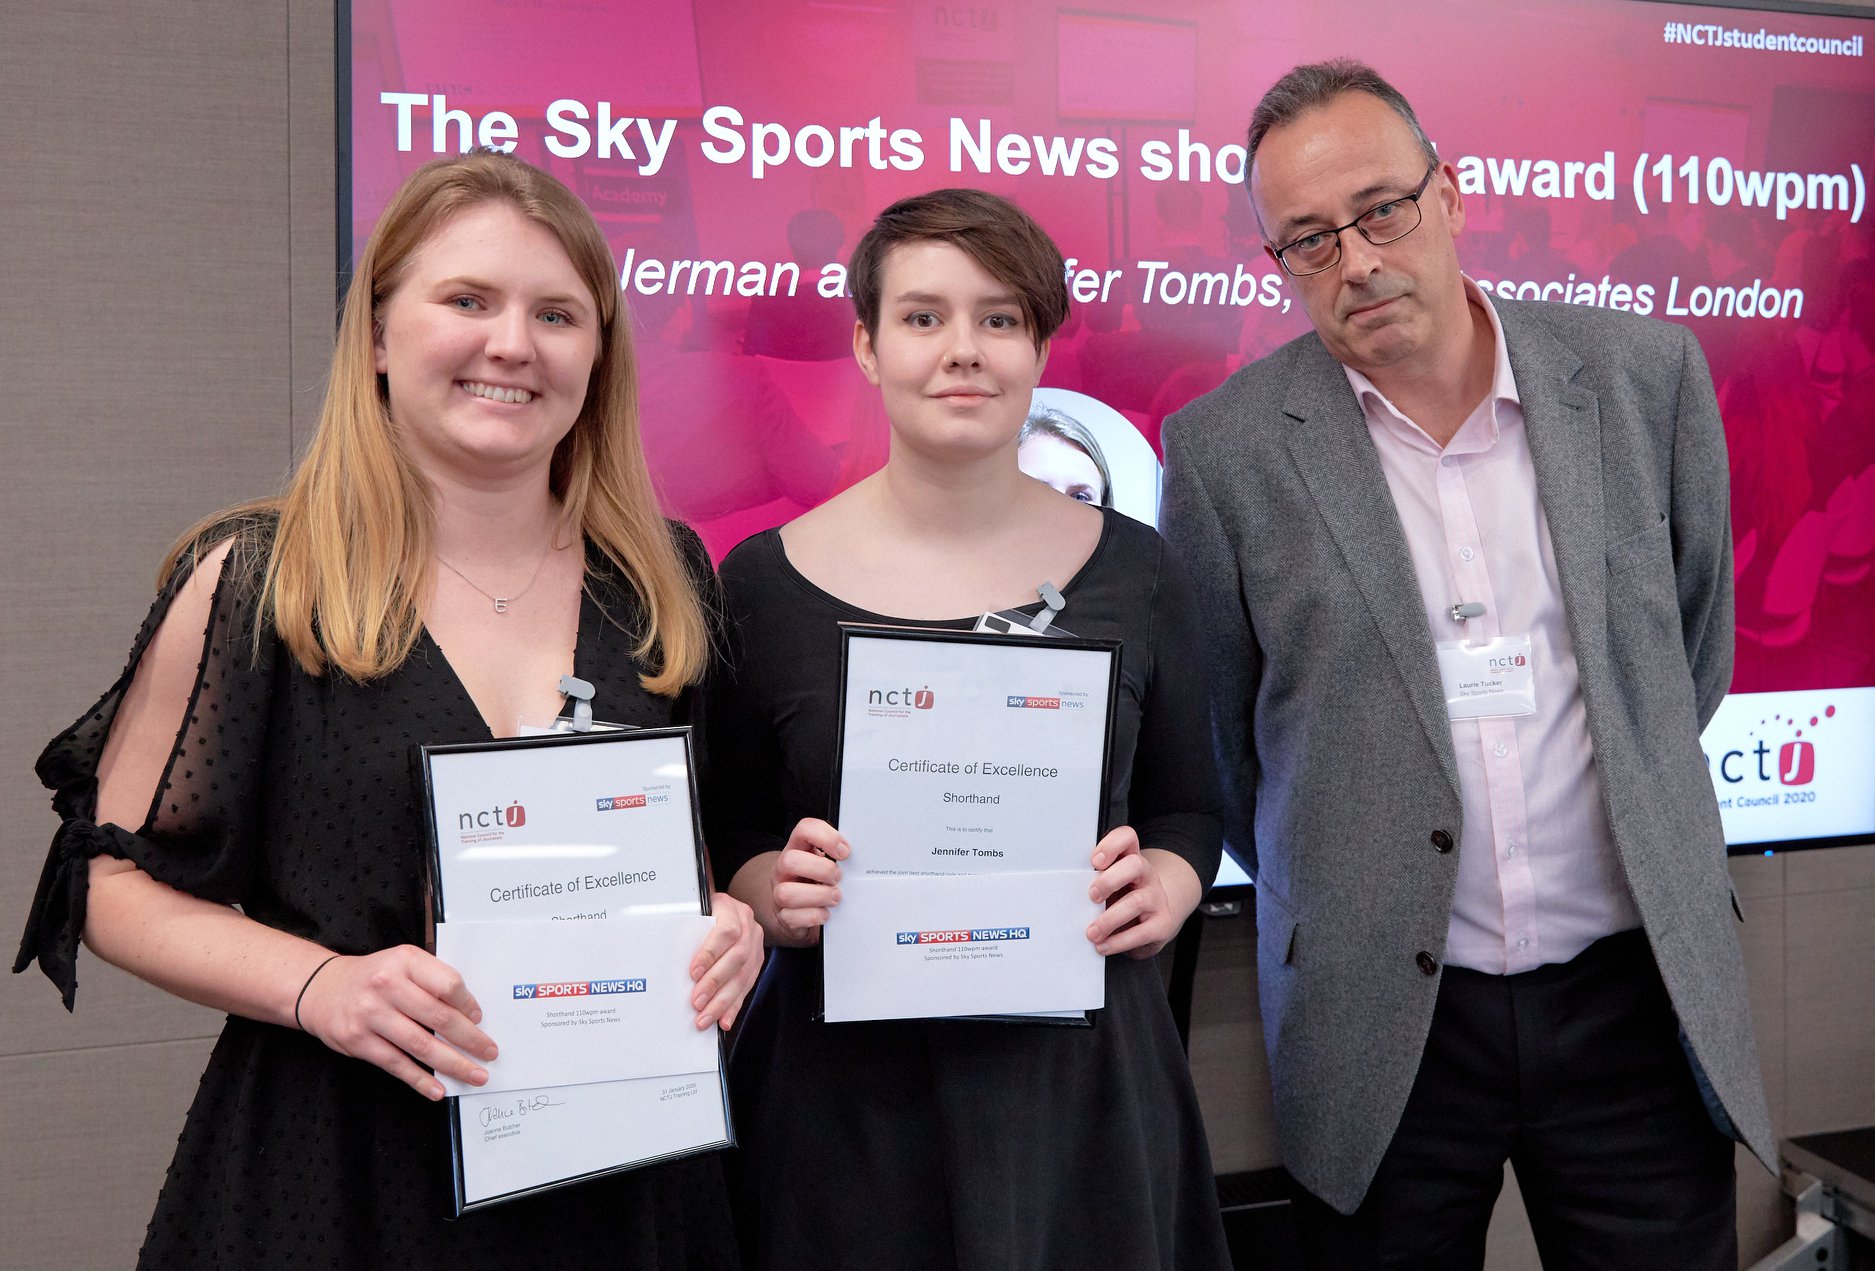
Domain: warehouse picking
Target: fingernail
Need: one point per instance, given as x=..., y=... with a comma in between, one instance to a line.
x=433, y=1092
x=489, y=1052
x=1100, y=859
x=1101, y=948
x=475, y=1016
x=478, y=1078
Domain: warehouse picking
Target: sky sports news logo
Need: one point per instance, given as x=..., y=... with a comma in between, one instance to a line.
x=964, y=935
x=1034, y=703
x=619, y=802
x=576, y=988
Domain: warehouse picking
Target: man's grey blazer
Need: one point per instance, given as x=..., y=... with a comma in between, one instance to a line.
x=1330, y=722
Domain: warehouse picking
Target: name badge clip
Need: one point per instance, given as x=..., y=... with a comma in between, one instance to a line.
x=582, y=694
x=1052, y=604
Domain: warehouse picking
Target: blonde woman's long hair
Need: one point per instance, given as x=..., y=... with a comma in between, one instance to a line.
x=350, y=557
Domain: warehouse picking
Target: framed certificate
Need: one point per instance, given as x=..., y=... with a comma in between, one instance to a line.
x=972, y=785
x=569, y=889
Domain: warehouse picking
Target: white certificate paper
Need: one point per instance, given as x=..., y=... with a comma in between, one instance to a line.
x=575, y=862
x=974, y=944
x=570, y=1003
x=968, y=761
x=571, y=826
x=518, y=1142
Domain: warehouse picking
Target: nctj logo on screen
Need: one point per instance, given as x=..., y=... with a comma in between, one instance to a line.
x=1791, y=762
x=1796, y=763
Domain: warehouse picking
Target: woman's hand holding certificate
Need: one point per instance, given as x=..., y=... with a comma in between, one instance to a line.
x=390, y=1008
x=804, y=884
x=727, y=963
x=1142, y=913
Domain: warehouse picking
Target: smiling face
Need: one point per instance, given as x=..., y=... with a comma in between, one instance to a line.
x=953, y=357
x=1378, y=308
x=488, y=344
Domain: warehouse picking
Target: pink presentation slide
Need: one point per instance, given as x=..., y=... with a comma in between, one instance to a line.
x=1707, y=166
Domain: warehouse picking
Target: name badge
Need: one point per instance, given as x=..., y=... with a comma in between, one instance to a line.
x=1489, y=680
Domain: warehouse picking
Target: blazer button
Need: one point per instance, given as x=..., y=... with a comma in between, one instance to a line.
x=1441, y=841
x=1428, y=964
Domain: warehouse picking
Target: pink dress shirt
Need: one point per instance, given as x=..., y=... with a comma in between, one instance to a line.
x=1538, y=878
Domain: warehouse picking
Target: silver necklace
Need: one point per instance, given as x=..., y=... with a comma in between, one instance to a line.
x=501, y=603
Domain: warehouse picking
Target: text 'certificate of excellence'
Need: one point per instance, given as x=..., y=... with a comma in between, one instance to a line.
x=972, y=789
x=569, y=891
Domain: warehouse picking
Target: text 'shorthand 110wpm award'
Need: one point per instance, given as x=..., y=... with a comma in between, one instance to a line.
x=569, y=891
x=972, y=787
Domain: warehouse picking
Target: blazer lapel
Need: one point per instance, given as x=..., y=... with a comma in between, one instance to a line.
x=1563, y=423
x=1336, y=458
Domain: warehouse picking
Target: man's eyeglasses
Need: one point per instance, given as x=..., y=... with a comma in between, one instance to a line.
x=1384, y=223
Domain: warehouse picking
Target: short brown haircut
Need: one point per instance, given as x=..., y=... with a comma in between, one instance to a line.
x=994, y=232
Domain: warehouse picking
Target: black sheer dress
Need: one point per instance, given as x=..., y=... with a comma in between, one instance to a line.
x=960, y=1144
x=291, y=796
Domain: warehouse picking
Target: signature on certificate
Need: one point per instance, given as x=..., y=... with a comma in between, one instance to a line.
x=496, y=1113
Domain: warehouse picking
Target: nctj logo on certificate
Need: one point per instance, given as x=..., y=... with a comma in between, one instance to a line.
x=490, y=824
x=898, y=703
x=577, y=988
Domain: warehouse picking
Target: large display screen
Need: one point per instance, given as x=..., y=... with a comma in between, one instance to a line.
x=1708, y=166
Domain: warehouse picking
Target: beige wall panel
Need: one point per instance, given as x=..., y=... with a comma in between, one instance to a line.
x=1830, y=1010
x=312, y=212
x=1762, y=940
x=101, y=1125
x=1763, y=1222
x=1509, y=1245
x=1758, y=875
x=1765, y=1218
x=146, y=358
x=114, y=1008
x=1228, y=1064
x=1830, y=868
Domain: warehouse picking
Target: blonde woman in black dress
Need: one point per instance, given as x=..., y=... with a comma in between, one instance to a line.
x=472, y=521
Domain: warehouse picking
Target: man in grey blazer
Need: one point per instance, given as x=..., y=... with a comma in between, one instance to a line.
x=1466, y=572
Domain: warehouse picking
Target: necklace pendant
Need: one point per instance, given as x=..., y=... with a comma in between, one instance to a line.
x=501, y=604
